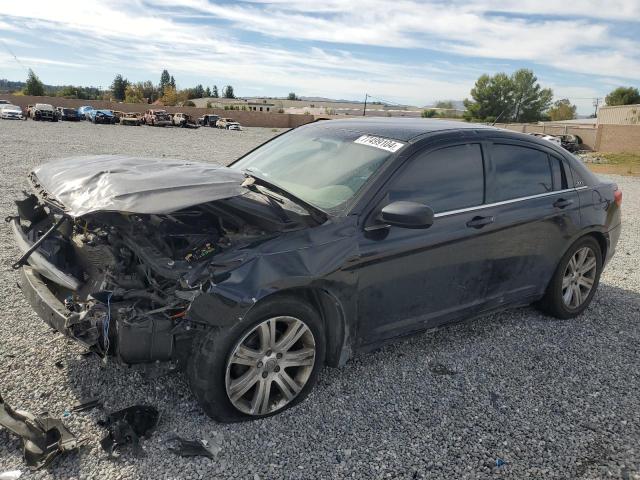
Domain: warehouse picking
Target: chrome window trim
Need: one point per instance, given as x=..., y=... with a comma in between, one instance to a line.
x=506, y=202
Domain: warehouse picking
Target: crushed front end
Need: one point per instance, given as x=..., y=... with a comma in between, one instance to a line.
x=116, y=282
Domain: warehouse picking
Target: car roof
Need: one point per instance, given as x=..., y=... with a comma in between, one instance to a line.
x=404, y=129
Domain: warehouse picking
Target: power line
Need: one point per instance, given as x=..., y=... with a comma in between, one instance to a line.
x=13, y=55
x=386, y=101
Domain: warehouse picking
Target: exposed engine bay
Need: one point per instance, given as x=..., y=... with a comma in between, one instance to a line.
x=132, y=300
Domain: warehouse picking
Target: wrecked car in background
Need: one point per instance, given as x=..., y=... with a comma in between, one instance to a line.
x=68, y=114
x=332, y=238
x=104, y=116
x=82, y=111
x=10, y=112
x=131, y=118
x=208, y=120
x=44, y=112
x=183, y=120
x=228, y=124
x=157, y=118
x=571, y=143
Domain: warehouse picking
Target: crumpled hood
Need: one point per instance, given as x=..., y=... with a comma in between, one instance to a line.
x=120, y=183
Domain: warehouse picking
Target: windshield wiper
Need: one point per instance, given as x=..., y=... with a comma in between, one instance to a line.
x=274, y=201
x=318, y=215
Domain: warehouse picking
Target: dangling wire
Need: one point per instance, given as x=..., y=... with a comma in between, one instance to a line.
x=105, y=325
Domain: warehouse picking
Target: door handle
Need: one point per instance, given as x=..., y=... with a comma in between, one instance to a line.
x=562, y=203
x=479, y=222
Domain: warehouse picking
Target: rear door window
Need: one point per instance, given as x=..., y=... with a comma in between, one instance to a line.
x=519, y=172
x=447, y=179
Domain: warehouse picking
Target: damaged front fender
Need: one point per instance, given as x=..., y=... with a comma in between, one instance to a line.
x=316, y=266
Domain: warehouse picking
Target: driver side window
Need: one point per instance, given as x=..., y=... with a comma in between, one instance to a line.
x=447, y=179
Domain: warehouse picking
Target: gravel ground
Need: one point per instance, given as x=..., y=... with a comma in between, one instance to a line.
x=552, y=399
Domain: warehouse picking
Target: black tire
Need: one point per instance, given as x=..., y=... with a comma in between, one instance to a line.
x=207, y=365
x=553, y=303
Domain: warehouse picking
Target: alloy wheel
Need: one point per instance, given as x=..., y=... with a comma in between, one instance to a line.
x=579, y=277
x=270, y=365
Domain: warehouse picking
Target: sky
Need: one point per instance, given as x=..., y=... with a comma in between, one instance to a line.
x=402, y=51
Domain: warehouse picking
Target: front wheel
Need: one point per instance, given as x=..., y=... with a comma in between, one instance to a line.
x=261, y=366
x=575, y=280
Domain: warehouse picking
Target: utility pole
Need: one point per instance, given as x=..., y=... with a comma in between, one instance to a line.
x=596, y=102
x=364, y=110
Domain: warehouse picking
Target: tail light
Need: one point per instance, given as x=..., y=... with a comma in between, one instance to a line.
x=617, y=197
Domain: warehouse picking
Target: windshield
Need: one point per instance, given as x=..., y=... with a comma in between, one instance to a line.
x=322, y=166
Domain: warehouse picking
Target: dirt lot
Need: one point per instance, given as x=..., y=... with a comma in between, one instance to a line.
x=550, y=399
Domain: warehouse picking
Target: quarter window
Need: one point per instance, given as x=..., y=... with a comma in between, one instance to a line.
x=519, y=172
x=447, y=179
x=559, y=176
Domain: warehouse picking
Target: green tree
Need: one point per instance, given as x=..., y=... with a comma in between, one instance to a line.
x=227, y=92
x=34, y=86
x=149, y=91
x=165, y=81
x=172, y=82
x=292, y=96
x=198, y=92
x=623, y=96
x=119, y=87
x=429, y=113
x=207, y=92
x=562, y=110
x=134, y=93
x=188, y=103
x=69, y=91
x=214, y=92
x=170, y=96
x=517, y=97
x=492, y=96
x=531, y=100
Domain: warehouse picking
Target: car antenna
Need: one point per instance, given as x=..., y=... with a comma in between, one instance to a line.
x=498, y=117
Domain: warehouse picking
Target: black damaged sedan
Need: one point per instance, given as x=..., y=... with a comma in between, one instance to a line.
x=332, y=238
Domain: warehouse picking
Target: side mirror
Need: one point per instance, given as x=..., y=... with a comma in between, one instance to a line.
x=407, y=215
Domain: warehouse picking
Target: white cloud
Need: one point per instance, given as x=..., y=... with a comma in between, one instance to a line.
x=308, y=46
x=486, y=29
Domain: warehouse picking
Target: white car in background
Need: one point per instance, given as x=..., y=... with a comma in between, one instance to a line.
x=548, y=138
x=228, y=123
x=10, y=112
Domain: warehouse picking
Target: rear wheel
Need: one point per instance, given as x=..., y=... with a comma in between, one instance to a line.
x=267, y=363
x=575, y=281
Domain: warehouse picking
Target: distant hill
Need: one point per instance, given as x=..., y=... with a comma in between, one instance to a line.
x=8, y=86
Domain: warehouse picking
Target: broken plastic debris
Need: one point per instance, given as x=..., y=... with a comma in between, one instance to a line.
x=86, y=404
x=126, y=426
x=43, y=438
x=190, y=448
x=11, y=475
x=500, y=462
